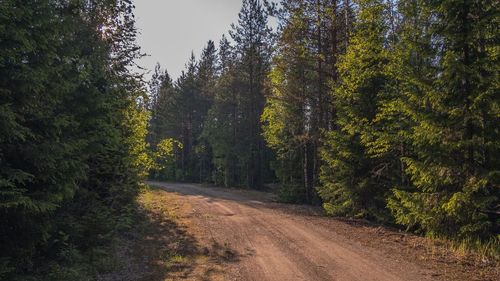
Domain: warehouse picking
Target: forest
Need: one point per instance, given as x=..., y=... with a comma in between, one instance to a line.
x=381, y=110
x=375, y=109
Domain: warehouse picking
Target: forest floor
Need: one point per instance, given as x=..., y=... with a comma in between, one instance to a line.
x=191, y=232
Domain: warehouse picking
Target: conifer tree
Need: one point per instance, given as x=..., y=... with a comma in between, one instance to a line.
x=72, y=149
x=39, y=142
x=253, y=50
x=188, y=100
x=452, y=107
x=163, y=124
x=207, y=77
x=312, y=37
x=220, y=126
x=353, y=182
x=241, y=96
x=286, y=116
x=155, y=86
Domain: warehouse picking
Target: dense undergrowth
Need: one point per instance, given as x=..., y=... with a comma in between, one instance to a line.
x=72, y=130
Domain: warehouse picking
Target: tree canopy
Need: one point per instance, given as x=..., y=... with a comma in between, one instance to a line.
x=383, y=110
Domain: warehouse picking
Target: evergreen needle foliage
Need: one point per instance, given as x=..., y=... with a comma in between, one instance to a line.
x=377, y=109
x=72, y=149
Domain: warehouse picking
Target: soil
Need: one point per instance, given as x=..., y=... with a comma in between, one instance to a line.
x=228, y=234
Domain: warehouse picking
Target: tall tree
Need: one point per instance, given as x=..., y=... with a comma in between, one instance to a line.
x=188, y=101
x=253, y=45
x=354, y=178
x=242, y=93
x=207, y=77
x=71, y=145
x=220, y=126
x=163, y=124
x=286, y=117
x=312, y=38
x=454, y=107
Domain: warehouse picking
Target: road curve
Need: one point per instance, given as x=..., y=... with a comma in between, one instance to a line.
x=264, y=243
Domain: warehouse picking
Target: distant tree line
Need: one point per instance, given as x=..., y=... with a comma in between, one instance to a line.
x=214, y=108
x=379, y=109
x=72, y=135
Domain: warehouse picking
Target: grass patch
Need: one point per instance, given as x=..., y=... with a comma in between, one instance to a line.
x=159, y=247
x=483, y=252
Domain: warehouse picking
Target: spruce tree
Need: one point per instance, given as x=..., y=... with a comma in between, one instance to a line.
x=453, y=162
x=353, y=180
x=40, y=145
x=72, y=149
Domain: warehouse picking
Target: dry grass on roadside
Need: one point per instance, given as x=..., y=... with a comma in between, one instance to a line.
x=160, y=247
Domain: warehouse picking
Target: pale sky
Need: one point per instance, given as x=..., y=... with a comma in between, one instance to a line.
x=171, y=29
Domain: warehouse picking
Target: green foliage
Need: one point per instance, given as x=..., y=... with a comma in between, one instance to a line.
x=453, y=136
x=214, y=108
x=388, y=110
x=165, y=152
x=179, y=111
x=164, y=159
x=388, y=113
x=72, y=150
x=356, y=181
x=252, y=52
x=416, y=115
x=220, y=126
x=298, y=106
x=284, y=117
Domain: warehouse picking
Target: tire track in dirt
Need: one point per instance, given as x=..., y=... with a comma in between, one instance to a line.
x=259, y=243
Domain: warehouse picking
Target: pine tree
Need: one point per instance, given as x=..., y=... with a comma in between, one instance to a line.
x=252, y=47
x=285, y=117
x=220, y=125
x=312, y=38
x=207, y=77
x=188, y=101
x=163, y=124
x=241, y=156
x=180, y=113
x=155, y=86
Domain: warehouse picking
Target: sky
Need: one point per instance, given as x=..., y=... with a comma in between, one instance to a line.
x=171, y=29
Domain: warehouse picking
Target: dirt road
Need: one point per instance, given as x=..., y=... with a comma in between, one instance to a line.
x=261, y=240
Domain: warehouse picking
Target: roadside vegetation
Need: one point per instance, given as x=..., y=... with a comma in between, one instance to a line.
x=72, y=135
x=161, y=245
x=379, y=110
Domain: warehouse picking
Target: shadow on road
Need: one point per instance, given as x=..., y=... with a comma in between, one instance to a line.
x=160, y=248
x=249, y=197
